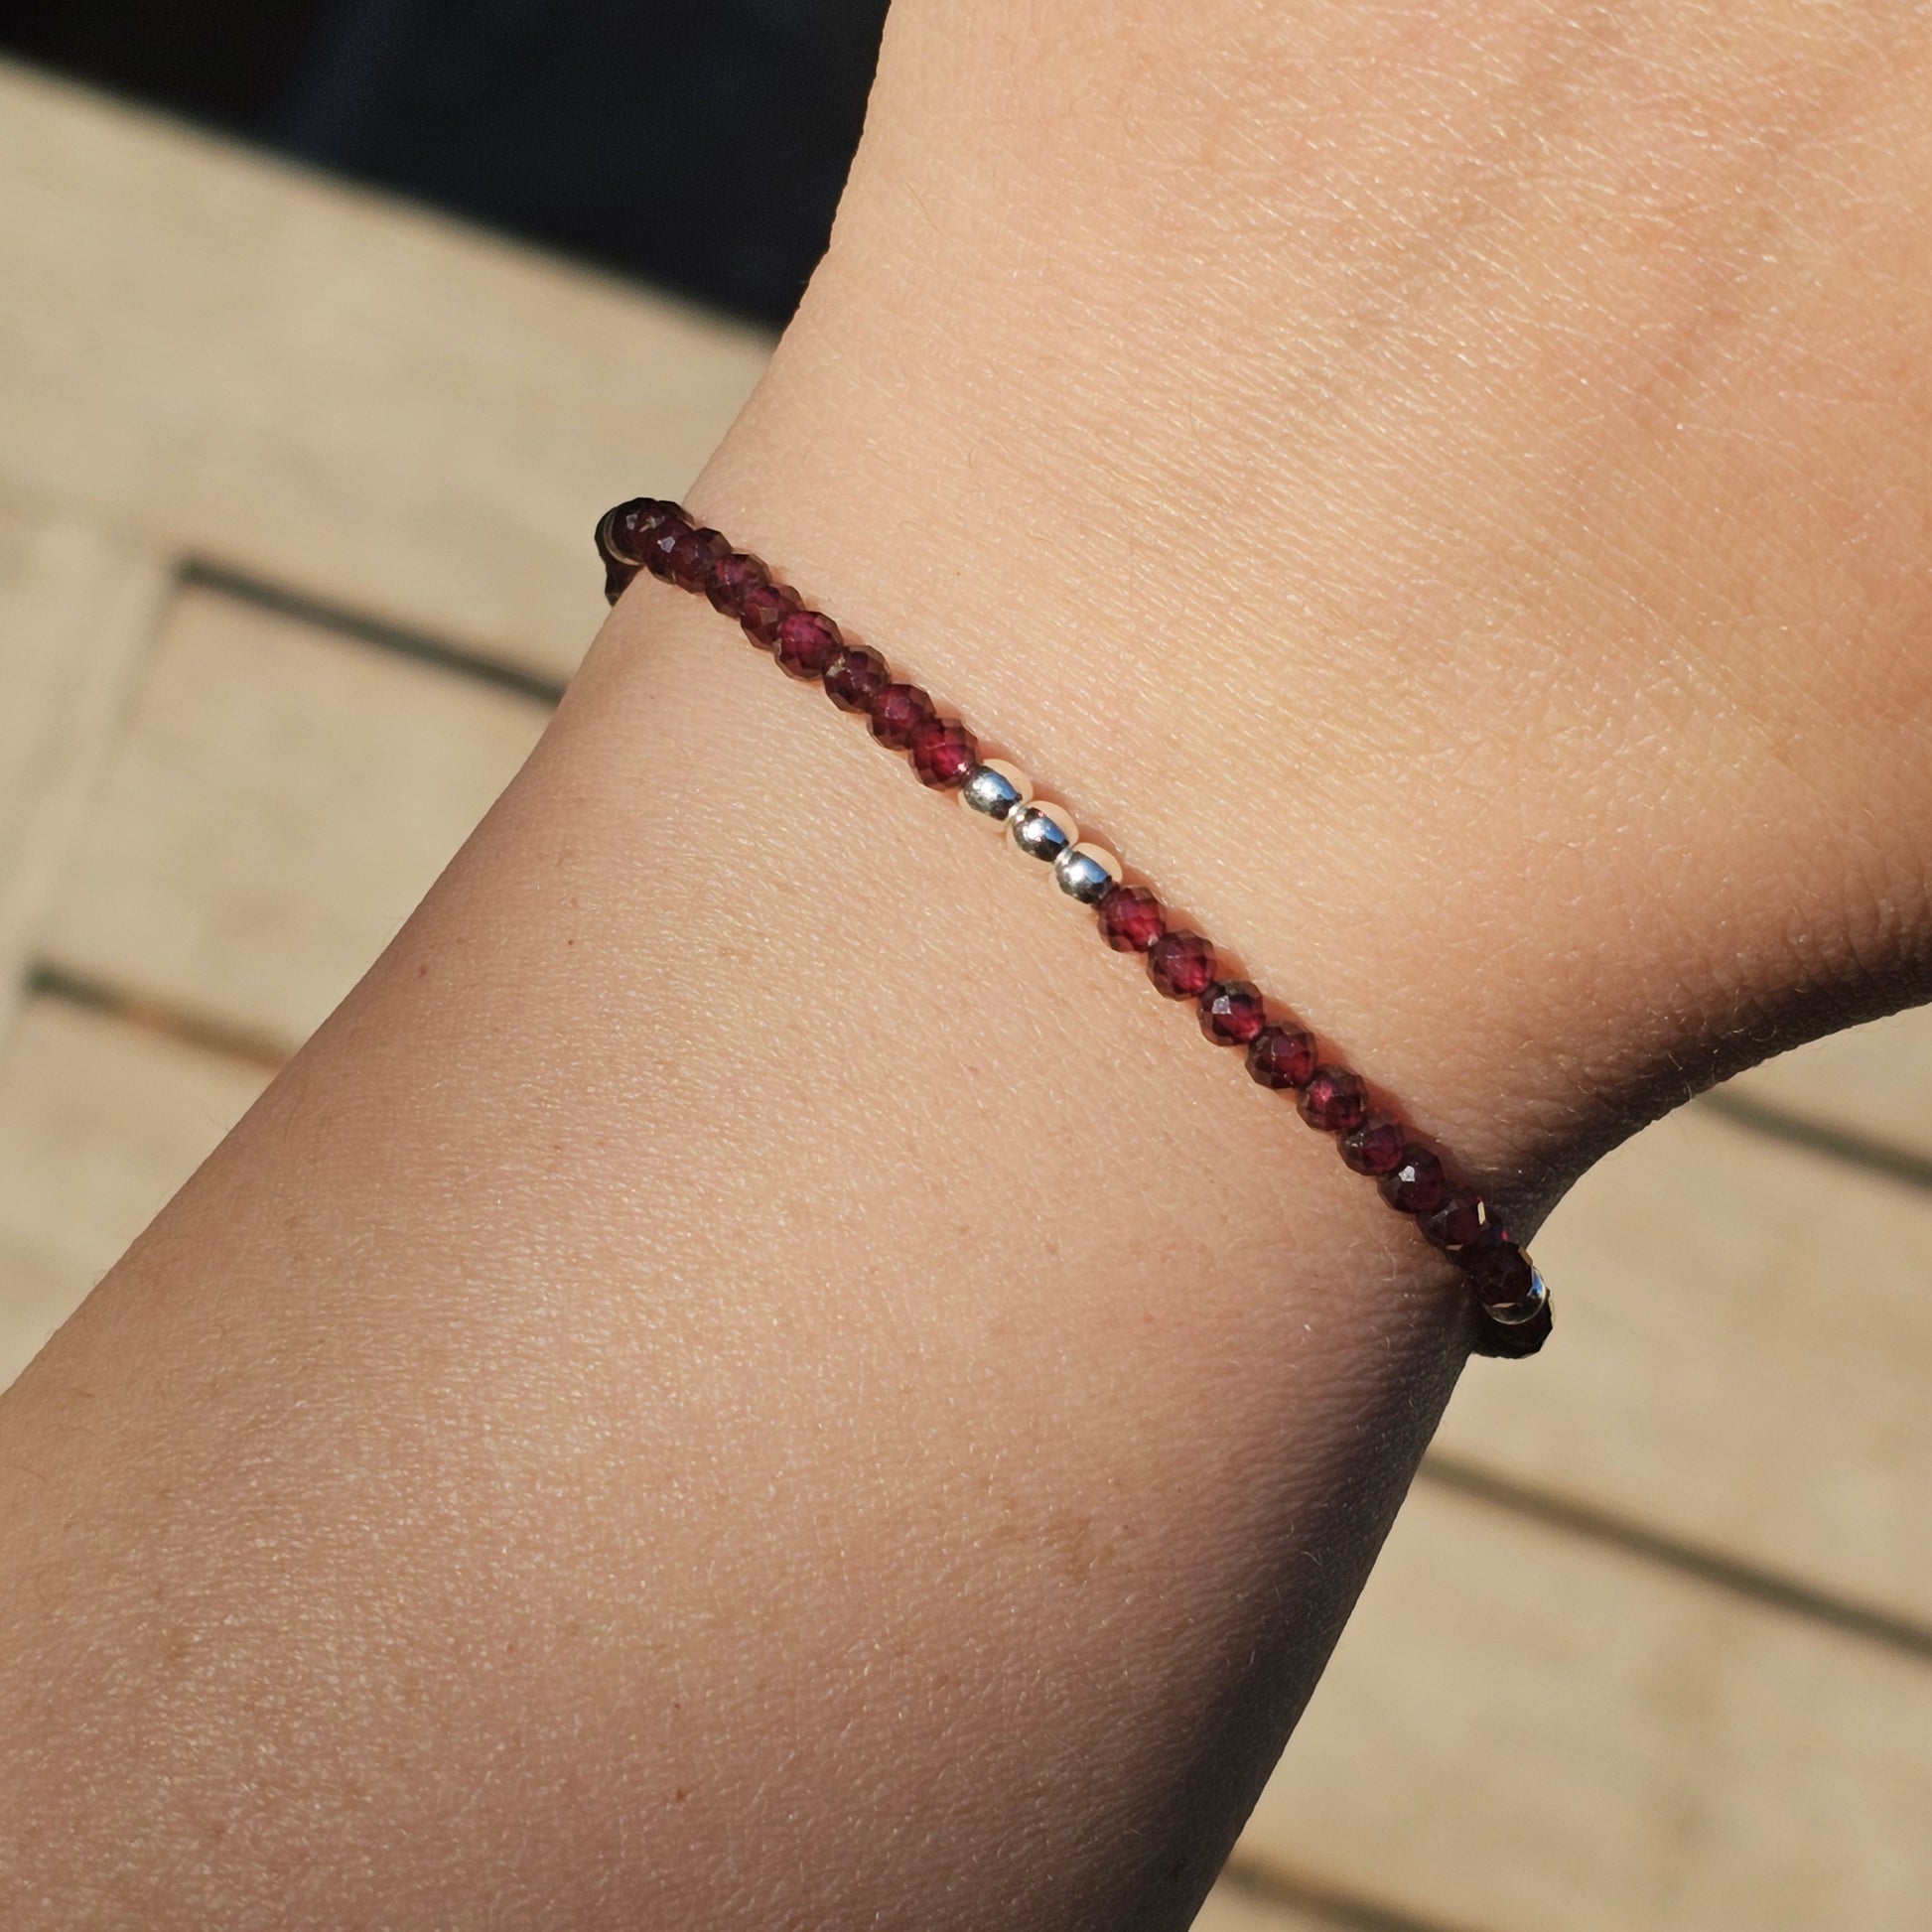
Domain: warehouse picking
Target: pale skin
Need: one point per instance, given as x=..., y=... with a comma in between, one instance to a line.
x=754, y=1375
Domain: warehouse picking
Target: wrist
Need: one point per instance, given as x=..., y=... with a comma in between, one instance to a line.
x=1356, y=831
x=1341, y=574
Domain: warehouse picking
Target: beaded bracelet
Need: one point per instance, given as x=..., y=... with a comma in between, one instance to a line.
x=1509, y=1295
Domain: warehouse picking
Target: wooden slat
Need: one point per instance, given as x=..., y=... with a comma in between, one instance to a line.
x=1528, y=1732
x=1743, y=1360
x=284, y=797
x=100, y=1121
x=326, y=390
x=1869, y=1083
x=77, y=613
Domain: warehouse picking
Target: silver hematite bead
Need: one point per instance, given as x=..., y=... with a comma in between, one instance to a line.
x=1528, y=1309
x=1086, y=871
x=996, y=789
x=1044, y=832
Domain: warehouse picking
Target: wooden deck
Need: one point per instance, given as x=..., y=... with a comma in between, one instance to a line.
x=294, y=488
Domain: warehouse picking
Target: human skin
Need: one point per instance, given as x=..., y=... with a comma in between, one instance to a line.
x=754, y=1375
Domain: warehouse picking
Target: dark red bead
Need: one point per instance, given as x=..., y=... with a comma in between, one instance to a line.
x=943, y=752
x=808, y=640
x=1456, y=1222
x=1282, y=1057
x=762, y=610
x=733, y=576
x=897, y=712
x=1376, y=1147
x=692, y=556
x=855, y=677
x=1231, y=1012
x=625, y=534
x=1333, y=1100
x=1416, y=1184
x=1181, y=964
x=662, y=540
x=1131, y=919
x=1497, y=1270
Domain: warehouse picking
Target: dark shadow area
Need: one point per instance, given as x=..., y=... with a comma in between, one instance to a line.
x=697, y=144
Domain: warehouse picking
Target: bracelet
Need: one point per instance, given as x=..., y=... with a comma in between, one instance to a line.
x=1509, y=1297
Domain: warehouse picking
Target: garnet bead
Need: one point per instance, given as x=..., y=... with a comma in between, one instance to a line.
x=692, y=556
x=1231, y=1013
x=897, y=712
x=659, y=544
x=1497, y=1270
x=943, y=752
x=1376, y=1147
x=732, y=577
x=626, y=532
x=1181, y=964
x=1416, y=1184
x=1280, y=1056
x=1333, y=1100
x=1131, y=919
x=762, y=610
x=855, y=677
x=808, y=640
x=1456, y=1222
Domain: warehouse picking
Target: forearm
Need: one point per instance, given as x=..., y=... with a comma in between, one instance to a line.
x=748, y=1301
x=755, y=1372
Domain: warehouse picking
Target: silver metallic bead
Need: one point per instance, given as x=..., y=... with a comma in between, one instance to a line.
x=1086, y=871
x=1043, y=832
x=1528, y=1309
x=996, y=789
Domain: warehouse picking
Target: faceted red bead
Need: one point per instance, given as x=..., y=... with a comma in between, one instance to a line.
x=1231, y=1012
x=1416, y=1184
x=1497, y=1270
x=1376, y=1147
x=624, y=533
x=897, y=712
x=1282, y=1057
x=693, y=555
x=808, y=640
x=1456, y=1222
x=1181, y=964
x=855, y=677
x=762, y=610
x=1131, y=919
x=732, y=577
x=943, y=752
x=659, y=544
x=1333, y=1100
